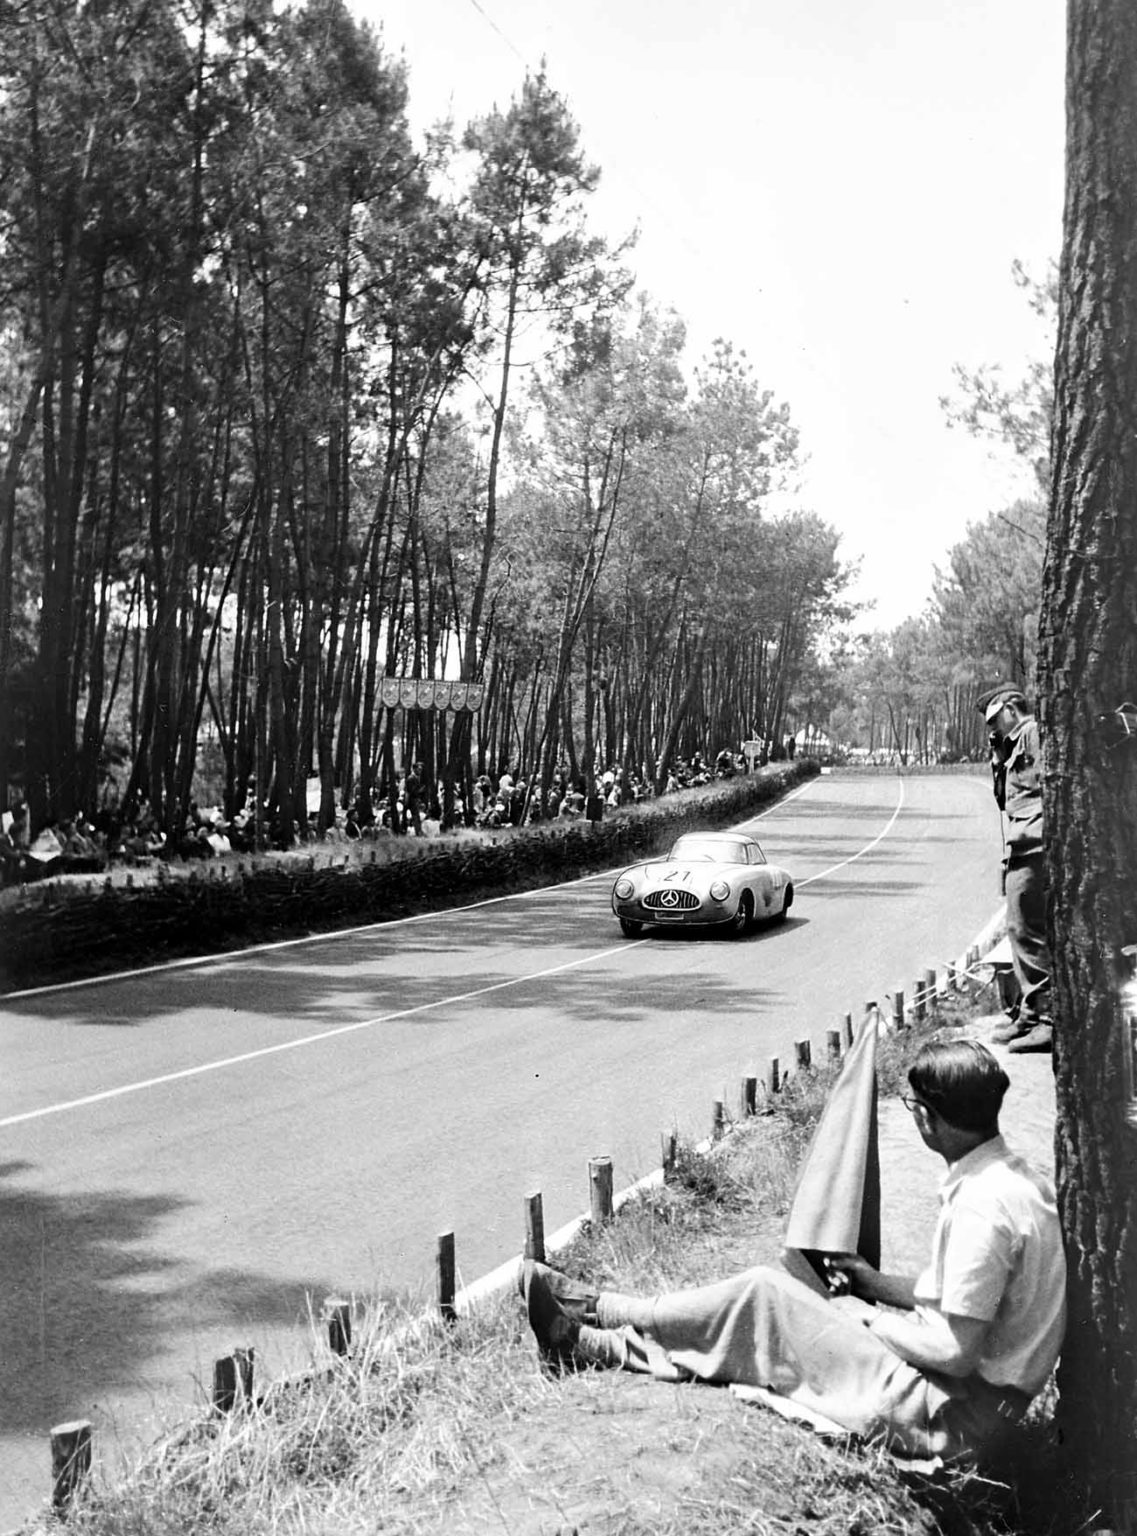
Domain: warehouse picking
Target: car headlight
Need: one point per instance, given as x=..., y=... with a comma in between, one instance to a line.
x=720, y=890
x=625, y=890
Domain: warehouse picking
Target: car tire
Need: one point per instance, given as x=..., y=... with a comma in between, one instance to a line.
x=630, y=928
x=787, y=903
x=742, y=920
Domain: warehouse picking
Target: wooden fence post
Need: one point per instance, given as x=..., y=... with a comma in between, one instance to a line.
x=446, y=1272
x=917, y=999
x=748, y=1097
x=337, y=1315
x=804, y=1053
x=775, y=1075
x=833, y=1045
x=600, y=1189
x=535, y=1227
x=898, y=1008
x=70, y=1462
x=233, y=1380
x=669, y=1145
x=718, y=1120
x=848, y=1028
x=931, y=986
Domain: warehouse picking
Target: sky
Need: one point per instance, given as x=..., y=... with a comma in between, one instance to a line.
x=837, y=187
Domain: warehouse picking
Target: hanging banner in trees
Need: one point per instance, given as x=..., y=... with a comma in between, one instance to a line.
x=420, y=693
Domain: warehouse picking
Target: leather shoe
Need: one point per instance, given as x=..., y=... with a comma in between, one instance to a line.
x=1037, y=1040
x=1012, y=1029
x=576, y=1301
x=555, y=1331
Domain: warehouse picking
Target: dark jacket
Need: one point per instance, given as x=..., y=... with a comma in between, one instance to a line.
x=1021, y=797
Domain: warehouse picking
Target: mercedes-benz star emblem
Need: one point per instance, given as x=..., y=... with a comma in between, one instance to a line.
x=669, y=898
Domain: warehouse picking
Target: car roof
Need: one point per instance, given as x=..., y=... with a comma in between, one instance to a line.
x=717, y=837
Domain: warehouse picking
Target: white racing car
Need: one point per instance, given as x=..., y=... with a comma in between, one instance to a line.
x=708, y=879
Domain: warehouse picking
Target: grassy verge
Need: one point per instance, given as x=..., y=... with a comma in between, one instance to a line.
x=428, y=1428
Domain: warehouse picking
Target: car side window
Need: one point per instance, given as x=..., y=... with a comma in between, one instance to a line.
x=756, y=854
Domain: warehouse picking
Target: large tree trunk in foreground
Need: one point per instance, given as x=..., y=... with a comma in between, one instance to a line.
x=1088, y=665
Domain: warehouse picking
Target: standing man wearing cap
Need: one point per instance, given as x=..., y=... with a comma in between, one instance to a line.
x=1016, y=763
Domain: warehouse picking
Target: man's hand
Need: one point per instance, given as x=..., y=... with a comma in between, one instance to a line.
x=849, y=1274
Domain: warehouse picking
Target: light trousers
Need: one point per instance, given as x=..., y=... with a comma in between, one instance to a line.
x=764, y=1328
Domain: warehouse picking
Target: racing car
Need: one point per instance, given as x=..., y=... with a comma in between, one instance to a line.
x=708, y=879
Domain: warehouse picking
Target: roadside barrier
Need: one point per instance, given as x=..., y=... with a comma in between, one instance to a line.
x=234, y=1388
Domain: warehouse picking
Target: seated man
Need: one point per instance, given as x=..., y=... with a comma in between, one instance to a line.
x=975, y=1336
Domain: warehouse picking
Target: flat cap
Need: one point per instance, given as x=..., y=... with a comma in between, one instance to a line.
x=991, y=700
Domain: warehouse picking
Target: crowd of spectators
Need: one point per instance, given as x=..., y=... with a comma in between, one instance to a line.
x=114, y=836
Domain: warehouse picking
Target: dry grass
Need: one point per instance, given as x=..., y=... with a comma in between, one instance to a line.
x=428, y=1428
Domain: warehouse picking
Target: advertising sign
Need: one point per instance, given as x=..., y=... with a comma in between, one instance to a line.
x=423, y=693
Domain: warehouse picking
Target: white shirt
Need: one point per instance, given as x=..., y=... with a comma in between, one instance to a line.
x=997, y=1256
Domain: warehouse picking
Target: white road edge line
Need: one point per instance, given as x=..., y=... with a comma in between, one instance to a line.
x=868, y=848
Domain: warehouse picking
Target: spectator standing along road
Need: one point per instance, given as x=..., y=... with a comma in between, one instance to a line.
x=1016, y=766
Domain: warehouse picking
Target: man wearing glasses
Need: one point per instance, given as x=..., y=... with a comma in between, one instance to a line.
x=936, y=1366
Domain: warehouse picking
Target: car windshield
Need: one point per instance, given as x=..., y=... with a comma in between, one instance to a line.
x=726, y=851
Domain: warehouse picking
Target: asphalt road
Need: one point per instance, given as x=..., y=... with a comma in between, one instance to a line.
x=189, y=1153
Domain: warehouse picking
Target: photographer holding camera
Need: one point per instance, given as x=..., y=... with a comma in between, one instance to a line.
x=1016, y=767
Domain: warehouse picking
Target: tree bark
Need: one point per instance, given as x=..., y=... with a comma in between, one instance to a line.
x=1087, y=666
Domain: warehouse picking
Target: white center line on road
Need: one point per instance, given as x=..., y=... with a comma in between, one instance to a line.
x=294, y=1045
x=385, y=1018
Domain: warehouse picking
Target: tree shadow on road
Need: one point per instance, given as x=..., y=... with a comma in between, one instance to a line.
x=87, y=1299
x=386, y=970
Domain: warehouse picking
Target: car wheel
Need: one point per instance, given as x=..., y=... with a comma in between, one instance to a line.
x=630, y=928
x=787, y=903
x=743, y=918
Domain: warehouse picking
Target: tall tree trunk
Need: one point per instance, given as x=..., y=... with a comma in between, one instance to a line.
x=1087, y=666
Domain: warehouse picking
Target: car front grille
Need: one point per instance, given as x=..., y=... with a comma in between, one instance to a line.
x=671, y=900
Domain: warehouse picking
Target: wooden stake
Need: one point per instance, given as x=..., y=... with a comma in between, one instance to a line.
x=669, y=1145
x=70, y=1462
x=848, y=1028
x=233, y=1379
x=337, y=1314
x=446, y=1270
x=931, y=986
x=898, y=1008
x=804, y=1053
x=775, y=1078
x=535, y=1227
x=918, y=1009
x=600, y=1189
x=748, y=1098
x=833, y=1044
x=718, y=1120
